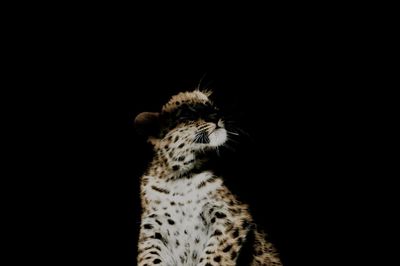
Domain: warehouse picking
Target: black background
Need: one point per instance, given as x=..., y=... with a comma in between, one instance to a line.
x=295, y=168
x=298, y=90
x=287, y=168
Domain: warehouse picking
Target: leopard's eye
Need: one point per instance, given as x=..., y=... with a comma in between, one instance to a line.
x=187, y=114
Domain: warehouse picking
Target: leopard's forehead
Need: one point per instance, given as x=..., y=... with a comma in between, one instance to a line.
x=189, y=97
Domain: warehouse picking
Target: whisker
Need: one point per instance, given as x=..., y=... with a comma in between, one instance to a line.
x=233, y=140
x=201, y=79
x=233, y=133
x=229, y=147
x=242, y=131
x=201, y=127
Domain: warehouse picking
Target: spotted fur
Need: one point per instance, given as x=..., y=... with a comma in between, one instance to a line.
x=189, y=216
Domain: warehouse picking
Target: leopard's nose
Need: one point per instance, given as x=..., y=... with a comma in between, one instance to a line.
x=220, y=123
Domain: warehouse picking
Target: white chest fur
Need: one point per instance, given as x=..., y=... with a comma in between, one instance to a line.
x=177, y=208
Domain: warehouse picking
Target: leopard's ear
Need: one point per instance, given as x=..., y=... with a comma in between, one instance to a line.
x=147, y=123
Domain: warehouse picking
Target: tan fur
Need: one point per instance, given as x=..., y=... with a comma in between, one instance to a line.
x=196, y=96
x=190, y=218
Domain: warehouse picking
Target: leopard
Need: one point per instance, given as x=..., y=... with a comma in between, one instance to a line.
x=189, y=216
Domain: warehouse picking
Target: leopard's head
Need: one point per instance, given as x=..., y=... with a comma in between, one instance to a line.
x=187, y=125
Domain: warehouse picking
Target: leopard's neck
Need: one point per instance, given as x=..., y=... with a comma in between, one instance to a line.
x=169, y=169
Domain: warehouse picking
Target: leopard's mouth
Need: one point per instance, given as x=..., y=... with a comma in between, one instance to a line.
x=212, y=135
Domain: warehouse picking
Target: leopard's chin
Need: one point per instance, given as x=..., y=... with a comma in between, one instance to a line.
x=218, y=137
